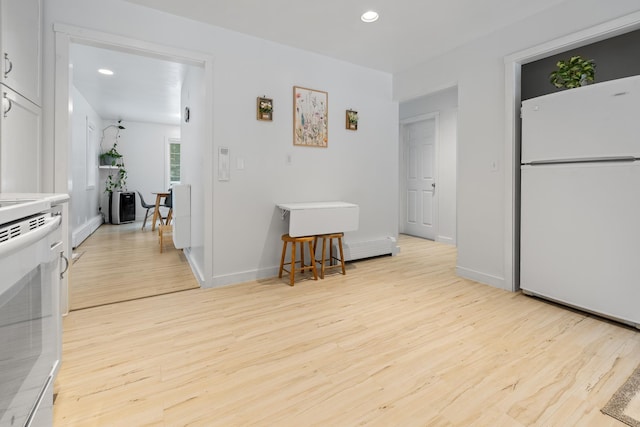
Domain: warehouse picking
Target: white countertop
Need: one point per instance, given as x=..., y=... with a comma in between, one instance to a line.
x=53, y=198
x=15, y=206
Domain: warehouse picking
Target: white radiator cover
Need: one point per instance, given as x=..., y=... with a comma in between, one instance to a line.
x=370, y=248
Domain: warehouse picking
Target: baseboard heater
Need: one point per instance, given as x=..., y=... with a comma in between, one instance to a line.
x=81, y=233
x=370, y=248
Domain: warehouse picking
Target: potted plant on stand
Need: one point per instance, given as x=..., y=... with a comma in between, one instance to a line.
x=117, y=178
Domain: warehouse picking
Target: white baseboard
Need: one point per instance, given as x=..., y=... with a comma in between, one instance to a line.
x=197, y=272
x=487, y=279
x=352, y=251
x=244, y=276
x=446, y=240
x=80, y=234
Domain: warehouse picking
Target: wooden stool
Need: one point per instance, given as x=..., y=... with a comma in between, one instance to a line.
x=301, y=240
x=323, y=261
x=162, y=230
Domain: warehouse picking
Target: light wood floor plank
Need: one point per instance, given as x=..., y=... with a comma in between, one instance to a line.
x=121, y=263
x=397, y=341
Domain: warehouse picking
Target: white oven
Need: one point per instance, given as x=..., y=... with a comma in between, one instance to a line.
x=31, y=260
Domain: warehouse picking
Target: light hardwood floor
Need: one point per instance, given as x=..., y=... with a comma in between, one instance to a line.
x=122, y=262
x=398, y=341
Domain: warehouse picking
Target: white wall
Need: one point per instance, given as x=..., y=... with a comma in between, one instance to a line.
x=445, y=103
x=84, y=199
x=192, y=162
x=478, y=69
x=360, y=167
x=143, y=146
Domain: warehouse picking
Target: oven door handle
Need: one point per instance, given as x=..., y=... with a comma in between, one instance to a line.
x=66, y=265
x=15, y=244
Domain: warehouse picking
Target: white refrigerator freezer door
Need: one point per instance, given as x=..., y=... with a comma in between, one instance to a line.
x=594, y=121
x=580, y=236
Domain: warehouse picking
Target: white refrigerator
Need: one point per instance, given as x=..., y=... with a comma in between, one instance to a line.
x=580, y=198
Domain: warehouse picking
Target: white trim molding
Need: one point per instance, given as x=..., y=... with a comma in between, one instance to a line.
x=495, y=281
x=65, y=35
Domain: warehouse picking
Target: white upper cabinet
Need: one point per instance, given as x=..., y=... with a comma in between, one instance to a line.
x=20, y=139
x=21, y=42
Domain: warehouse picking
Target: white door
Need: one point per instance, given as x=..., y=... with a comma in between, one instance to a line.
x=419, y=142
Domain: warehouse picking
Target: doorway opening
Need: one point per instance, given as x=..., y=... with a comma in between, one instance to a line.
x=198, y=78
x=419, y=200
x=428, y=141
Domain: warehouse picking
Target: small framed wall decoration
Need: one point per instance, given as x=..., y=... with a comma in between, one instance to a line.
x=264, y=109
x=351, y=120
x=310, y=117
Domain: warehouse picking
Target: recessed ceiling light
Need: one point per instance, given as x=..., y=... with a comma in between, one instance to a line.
x=369, y=16
x=105, y=71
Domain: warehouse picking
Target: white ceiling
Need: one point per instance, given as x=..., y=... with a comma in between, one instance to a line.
x=409, y=32
x=142, y=89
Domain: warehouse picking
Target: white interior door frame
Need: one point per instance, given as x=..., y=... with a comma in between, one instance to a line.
x=403, y=170
x=65, y=35
x=513, y=64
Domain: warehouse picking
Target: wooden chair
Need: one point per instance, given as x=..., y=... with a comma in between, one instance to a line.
x=163, y=229
x=286, y=239
x=323, y=260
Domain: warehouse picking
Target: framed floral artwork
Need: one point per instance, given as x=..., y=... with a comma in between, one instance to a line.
x=264, y=109
x=351, y=120
x=310, y=117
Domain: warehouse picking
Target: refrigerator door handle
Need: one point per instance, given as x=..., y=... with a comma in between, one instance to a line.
x=584, y=160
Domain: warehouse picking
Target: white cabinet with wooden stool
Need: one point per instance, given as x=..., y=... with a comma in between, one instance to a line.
x=319, y=220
